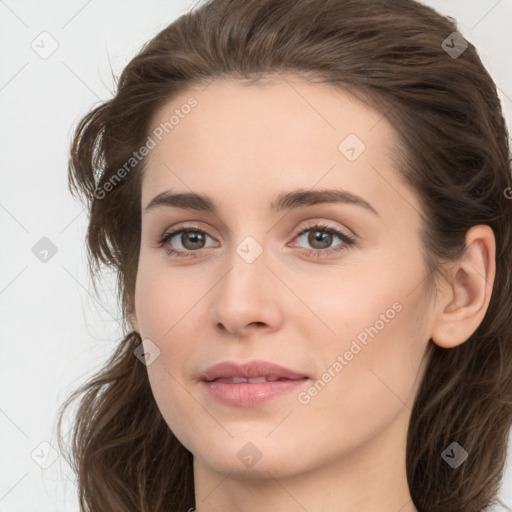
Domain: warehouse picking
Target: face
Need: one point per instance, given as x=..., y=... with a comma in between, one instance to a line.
x=330, y=286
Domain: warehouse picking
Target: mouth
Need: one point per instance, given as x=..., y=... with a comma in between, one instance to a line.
x=251, y=392
x=250, y=384
x=250, y=371
x=250, y=380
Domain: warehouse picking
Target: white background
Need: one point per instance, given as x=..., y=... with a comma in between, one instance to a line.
x=53, y=332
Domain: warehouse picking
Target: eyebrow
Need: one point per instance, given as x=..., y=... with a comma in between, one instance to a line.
x=285, y=201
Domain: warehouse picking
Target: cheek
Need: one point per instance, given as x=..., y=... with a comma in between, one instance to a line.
x=363, y=300
x=167, y=302
x=380, y=380
x=166, y=318
x=381, y=337
x=166, y=298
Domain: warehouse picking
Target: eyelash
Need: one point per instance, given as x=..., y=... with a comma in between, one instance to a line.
x=347, y=240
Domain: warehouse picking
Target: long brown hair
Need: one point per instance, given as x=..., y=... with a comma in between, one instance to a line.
x=453, y=150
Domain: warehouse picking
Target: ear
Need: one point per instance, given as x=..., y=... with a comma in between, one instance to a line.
x=464, y=300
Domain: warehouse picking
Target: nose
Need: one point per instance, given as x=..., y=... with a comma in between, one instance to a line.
x=248, y=296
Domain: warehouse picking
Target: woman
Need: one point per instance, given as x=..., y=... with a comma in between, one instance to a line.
x=308, y=208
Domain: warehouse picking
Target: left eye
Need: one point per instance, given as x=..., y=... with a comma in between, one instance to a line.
x=320, y=237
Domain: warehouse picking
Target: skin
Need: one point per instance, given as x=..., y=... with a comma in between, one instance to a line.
x=242, y=145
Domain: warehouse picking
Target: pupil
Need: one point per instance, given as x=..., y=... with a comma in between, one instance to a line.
x=192, y=238
x=319, y=236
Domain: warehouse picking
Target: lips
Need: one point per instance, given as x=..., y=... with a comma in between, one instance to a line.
x=251, y=384
x=253, y=371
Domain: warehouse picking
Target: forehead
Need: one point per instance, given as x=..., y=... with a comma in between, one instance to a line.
x=240, y=140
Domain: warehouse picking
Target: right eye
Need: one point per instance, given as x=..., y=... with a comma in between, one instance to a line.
x=191, y=239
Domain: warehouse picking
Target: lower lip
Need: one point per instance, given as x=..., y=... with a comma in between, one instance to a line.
x=246, y=394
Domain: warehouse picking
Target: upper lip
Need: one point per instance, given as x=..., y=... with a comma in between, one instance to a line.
x=252, y=369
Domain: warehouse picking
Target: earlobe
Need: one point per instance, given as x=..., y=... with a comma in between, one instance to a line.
x=465, y=299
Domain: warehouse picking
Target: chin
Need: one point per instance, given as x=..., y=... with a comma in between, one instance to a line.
x=262, y=470
x=260, y=459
